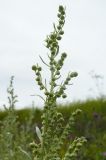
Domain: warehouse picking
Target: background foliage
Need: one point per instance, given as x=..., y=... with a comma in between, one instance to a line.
x=91, y=124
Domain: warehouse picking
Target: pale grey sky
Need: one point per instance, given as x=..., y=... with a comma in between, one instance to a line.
x=24, y=25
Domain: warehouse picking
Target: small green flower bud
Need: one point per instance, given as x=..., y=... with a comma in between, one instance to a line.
x=78, y=111
x=51, y=58
x=57, y=73
x=38, y=79
x=73, y=155
x=61, y=119
x=37, y=73
x=42, y=87
x=51, y=63
x=61, y=22
x=73, y=74
x=43, y=122
x=42, y=116
x=64, y=96
x=61, y=8
x=59, y=115
x=59, y=27
x=60, y=62
x=68, y=79
x=52, y=68
x=47, y=45
x=74, y=114
x=64, y=55
x=50, y=42
x=34, y=68
x=60, y=125
x=33, y=145
x=79, y=144
x=59, y=15
x=83, y=140
x=55, y=63
x=39, y=83
x=63, y=87
x=39, y=68
x=53, y=79
x=61, y=91
x=59, y=38
x=61, y=32
x=58, y=95
x=53, y=52
x=54, y=84
x=62, y=17
x=66, y=82
x=53, y=49
x=53, y=36
x=54, y=44
x=46, y=93
x=63, y=12
x=76, y=150
x=35, y=151
x=58, y=67
x=51, y=94
x=47, y=40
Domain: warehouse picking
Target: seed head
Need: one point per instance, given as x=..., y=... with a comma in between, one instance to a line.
x=38, y=79
x=62, y=17
x=59, y=27
x=61, y=8
x=34, y=68
x=39, y=68
x=59, y=38
x=61, y=22
x=73, y=74
x=64, y=55
x=64, y=96
x=61, y=32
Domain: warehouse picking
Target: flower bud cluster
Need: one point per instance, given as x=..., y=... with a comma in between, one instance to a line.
x=52, y=43
x=61, y=92
x=76, y=112
x=59, y=123
x=38, y=79
x=54, y=37
x=63, y=87
x=74, y=148
x=61, y=16
x=68, y=128
x=61, y=61
x=35, y=148
x=73, y=74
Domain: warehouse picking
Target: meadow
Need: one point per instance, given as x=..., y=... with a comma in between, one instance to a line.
x=17, y=129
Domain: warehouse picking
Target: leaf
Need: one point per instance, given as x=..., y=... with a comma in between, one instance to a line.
x=38, y=132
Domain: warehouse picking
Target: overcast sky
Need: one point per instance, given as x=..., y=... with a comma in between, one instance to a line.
x=24, y=25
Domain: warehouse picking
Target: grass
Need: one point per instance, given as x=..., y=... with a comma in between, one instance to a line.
x=91, y=124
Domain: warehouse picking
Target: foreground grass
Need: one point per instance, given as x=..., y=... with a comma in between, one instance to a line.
x=90, y=124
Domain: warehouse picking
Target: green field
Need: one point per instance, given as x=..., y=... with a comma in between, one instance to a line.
x=17, y=129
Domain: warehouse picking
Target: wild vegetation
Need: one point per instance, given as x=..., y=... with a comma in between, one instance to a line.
x=56, y=132
x=52, y=135
x=90, y=124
